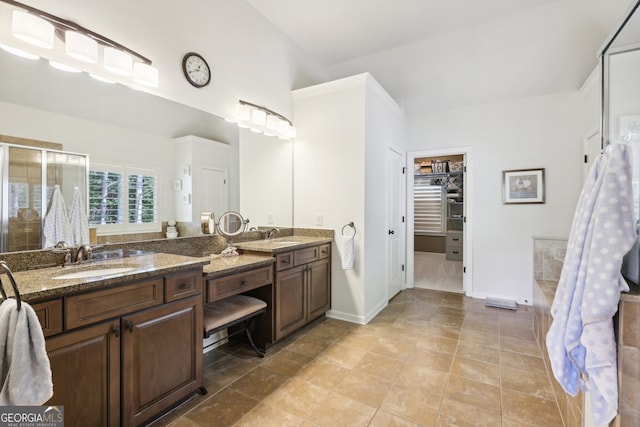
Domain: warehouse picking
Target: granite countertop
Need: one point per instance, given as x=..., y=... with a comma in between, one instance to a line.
x=41, y=284
x=282, y=244
x=220, y=266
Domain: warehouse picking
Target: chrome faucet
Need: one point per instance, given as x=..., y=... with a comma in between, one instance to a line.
x=84, y=253
x=271, y=234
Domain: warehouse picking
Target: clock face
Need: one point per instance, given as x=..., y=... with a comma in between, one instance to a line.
x=196, y=70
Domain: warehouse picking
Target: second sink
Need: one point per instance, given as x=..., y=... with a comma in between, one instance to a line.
x=94, y=272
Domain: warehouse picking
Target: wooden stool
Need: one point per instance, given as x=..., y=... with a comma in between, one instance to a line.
x=231, y=311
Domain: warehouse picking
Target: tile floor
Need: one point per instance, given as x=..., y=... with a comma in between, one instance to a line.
x=431, y=358
x=434, y=271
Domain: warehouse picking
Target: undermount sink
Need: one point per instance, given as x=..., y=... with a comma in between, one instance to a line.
x=281, y=242
x=94, y=272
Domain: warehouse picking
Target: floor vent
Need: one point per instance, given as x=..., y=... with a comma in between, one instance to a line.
x=500, y=303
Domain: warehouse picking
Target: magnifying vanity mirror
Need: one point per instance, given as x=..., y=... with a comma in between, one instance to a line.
x=231, y=224
x=621, y=108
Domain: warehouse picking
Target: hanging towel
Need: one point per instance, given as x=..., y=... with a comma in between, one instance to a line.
x=78, y=220
x=348, y=252
x=25, y=372
x=581, y=340
x=56, y=223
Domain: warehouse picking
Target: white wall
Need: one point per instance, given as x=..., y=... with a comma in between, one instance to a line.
x=329, y=179
x=340, y=155
x=539, y=132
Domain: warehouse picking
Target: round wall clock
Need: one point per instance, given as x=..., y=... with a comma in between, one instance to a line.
x=196, y=70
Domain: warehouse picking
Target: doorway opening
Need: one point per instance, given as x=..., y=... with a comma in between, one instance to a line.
x=438, y=194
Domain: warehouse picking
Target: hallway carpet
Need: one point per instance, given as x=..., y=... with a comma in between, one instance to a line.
x=430, y=358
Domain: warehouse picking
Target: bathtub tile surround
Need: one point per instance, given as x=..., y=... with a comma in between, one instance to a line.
x=548, y=254
x=460, y=362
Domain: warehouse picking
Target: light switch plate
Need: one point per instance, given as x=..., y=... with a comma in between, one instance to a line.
x=319, y=218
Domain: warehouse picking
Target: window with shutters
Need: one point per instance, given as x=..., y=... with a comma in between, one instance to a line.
x=123, y=199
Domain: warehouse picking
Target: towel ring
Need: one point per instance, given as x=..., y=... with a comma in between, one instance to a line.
x=7, y=270
x=352, y=225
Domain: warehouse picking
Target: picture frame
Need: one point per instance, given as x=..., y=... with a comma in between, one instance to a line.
x=523, y=186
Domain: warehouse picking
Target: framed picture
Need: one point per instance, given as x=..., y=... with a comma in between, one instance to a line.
x=523, y=186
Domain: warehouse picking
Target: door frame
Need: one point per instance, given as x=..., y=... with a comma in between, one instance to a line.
x=466, y=152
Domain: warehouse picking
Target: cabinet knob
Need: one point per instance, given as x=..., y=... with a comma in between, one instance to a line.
x=185, y=286
x=116, y=331
x=391, y=232
x=130, y=325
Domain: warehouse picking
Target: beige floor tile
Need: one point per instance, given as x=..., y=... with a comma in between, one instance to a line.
x=378, y=366
x=528, y=382
x=259, y=383
x=267, y=416
x=297, y=397
x=385, y=419
x=437, y=343
x=422, y=376
x=364, y=388
x=522, y=361
x=227, y=405
x=474, y=393
x=472, y=350
x=327, y=375
x=435, y=360
x=481, y=338
x=309, y=346
x=338, y=410
x=228, y=370
x=454, y=413
x=530, y=409
x=442, y=331
x=489, y=327
x=395, y=348
x=519, y=345
x=413, y=403
x=343, y=355
x=286, y=362
x=488, y=373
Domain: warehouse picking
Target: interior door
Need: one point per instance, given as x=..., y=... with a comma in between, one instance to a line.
x=395, y=223
x=214, y=191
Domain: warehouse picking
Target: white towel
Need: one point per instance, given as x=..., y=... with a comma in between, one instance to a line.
x=56, y=223
x=348, y=252
x=78, y=220
x=25, y=372
x=581, y=339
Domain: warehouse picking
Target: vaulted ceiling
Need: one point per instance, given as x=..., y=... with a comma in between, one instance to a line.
x=434, y=54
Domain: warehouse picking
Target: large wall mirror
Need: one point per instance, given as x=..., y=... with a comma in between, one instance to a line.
x=114, y=124
x=621, y=106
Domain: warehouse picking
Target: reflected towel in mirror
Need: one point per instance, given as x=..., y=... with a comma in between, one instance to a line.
x=78, y=220
x=56, y=223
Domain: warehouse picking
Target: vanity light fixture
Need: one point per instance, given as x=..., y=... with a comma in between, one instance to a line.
x=71, y=47
x=260, y=119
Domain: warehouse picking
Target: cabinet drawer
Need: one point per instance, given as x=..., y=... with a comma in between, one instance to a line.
x=50, y=316
x=284, y=261
x=304, y=256
x=454, y=254
x=92, y=307
x=223, y=287
x=182, y=285
x=325, y=251
x=454, y=238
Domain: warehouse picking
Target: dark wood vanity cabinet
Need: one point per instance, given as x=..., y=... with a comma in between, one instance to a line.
x=125, y=370
x=302, y=288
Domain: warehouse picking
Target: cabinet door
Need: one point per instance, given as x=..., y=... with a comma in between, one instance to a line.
x=85, y=367
x=161, y=358
x=290, y=301
x=319, y=284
